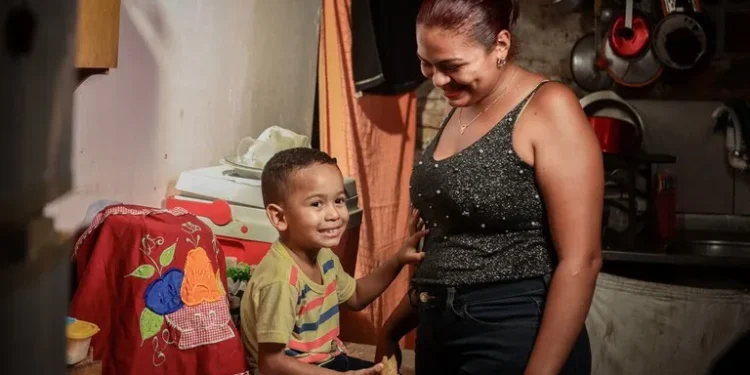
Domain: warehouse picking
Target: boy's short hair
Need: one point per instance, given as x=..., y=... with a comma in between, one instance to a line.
x=278, y=169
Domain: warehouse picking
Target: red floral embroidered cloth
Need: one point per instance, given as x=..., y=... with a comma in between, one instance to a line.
x=154, y=281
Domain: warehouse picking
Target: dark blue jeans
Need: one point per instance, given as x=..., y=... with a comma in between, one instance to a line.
x=488, y=329
x=344, y=363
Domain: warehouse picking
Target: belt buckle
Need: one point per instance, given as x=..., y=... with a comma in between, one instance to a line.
x=424, y=297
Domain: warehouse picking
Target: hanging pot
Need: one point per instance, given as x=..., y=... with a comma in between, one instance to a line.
x=586, y=65
x=630, y=41
x=583, y=65
x=629, y=59
x=682, y=39
x=637, y=72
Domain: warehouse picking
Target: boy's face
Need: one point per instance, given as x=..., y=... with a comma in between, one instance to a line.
x=314, y=214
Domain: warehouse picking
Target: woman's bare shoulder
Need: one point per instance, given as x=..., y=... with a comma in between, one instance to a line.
x=555, y=104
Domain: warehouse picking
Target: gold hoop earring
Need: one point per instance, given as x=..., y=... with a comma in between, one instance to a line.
x=501, y=62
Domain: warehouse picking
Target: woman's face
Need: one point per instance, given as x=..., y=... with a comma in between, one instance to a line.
x=465, y=70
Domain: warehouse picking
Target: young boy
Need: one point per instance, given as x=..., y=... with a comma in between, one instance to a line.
x=289, y=312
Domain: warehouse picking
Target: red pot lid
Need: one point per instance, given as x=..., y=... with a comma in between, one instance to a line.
x=629, y=43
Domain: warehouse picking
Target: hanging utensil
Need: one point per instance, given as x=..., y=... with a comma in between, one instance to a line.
x=630, y=34
x=681, y=38
x=629, y=14
x=637, y=72
x=597, y=29
x=583, y=60
x=629, y=59
x=585, y=66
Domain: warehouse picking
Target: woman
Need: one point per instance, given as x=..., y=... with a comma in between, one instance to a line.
x=511, y=190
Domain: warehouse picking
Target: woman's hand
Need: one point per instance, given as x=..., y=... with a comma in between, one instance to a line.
x=401, y=321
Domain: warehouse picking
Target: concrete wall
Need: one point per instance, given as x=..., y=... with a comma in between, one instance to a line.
x=193, y=78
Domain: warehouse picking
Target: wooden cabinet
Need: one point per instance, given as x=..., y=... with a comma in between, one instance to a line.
x=98, y=34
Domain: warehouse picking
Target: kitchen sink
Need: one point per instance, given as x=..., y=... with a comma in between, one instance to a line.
x=727, y=250
x=712, y=248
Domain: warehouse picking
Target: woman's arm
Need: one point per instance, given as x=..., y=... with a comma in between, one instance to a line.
x=402, y=321
x=570, y=174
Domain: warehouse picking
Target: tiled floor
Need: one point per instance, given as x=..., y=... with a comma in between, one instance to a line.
x=367, y=352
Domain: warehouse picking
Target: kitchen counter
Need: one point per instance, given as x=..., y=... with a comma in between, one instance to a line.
x=706, y=259
x=662, y=257
x=698, y=248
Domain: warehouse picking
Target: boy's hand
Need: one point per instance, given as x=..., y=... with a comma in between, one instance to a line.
x=368, y=371
x=408, y=254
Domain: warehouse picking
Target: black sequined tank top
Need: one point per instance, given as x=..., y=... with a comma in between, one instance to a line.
x=486, y=218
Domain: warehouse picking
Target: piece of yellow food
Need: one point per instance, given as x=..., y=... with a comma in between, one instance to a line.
x=390, y=366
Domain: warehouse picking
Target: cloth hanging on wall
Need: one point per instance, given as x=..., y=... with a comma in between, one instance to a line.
x=384, y=46
x=647, y=328
x=373, y=139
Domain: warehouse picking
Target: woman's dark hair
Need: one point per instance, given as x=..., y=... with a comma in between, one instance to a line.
x=481, y=19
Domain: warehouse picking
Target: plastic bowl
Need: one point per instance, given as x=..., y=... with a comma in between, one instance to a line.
x=79, y=334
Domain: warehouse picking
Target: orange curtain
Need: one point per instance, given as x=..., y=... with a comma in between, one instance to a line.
x=373, y=138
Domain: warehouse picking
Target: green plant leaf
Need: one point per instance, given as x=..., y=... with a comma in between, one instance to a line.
x=167, y=255
x=151, y=323
x=144, y=271
x=242, y=272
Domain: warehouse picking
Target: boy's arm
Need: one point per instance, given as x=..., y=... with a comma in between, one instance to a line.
x=273, y=361
x=373, y=285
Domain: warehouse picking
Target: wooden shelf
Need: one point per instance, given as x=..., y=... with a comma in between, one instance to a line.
x=640, y=158
x=98, y=34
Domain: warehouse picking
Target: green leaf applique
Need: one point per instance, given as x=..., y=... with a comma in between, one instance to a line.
x=167, y=255
x=144, y=271
x=151, y=323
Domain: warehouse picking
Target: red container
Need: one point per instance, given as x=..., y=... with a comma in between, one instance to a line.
x=665, y=204
x=615, y=135
x=629, y=43
x=666, y=215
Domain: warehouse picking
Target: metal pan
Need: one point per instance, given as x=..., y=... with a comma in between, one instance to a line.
x=637, y=72
x=583, y=65
x=682, y=40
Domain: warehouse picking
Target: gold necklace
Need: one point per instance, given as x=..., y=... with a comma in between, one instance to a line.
x=462, y=127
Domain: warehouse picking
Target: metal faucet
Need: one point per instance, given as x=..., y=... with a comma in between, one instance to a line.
x=725, y=118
